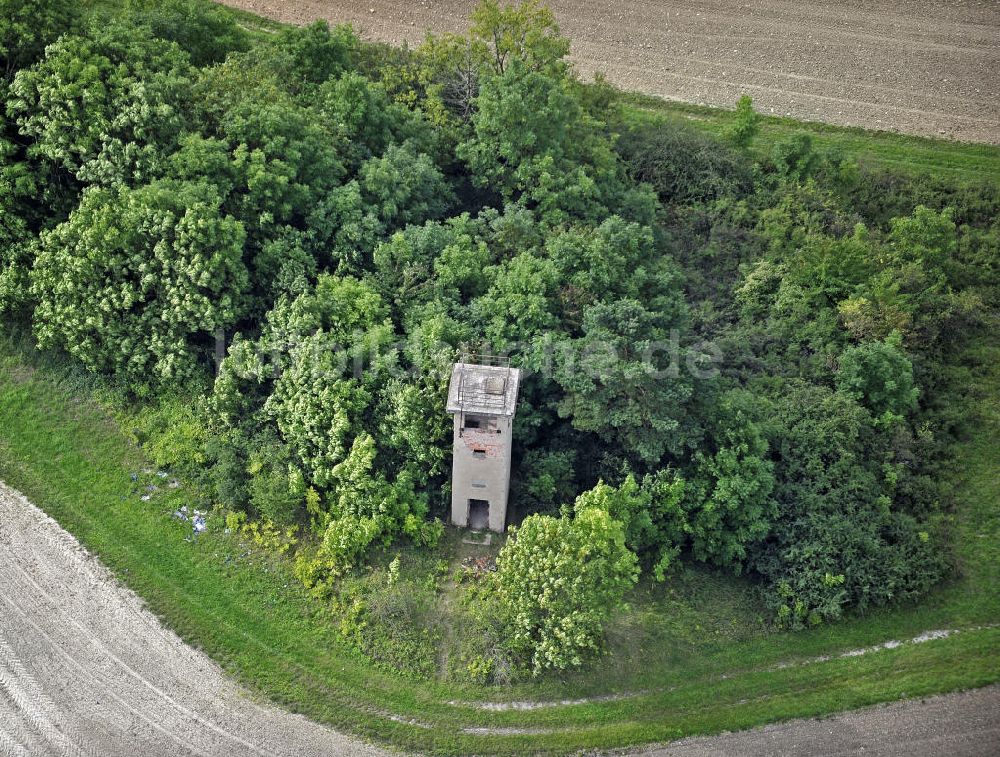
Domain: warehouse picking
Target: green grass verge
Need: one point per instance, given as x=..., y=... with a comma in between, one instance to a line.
x=899, y=152
x=246, y=610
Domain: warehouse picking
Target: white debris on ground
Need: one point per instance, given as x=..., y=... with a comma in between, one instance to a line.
x=195, y=517
x=142, y=478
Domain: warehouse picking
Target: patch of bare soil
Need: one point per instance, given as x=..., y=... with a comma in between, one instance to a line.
x=85, y=669
x=927, y=67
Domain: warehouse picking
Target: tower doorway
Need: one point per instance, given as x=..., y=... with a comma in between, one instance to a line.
x=479, y=514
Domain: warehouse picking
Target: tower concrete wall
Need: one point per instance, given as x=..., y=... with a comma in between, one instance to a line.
x=481, y=470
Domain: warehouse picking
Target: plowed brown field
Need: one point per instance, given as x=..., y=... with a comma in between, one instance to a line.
x=928, y=67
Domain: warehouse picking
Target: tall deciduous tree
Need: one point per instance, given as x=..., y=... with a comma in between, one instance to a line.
x=526, y=32
x=27, y=26
x=624, y=380
x=532, y=140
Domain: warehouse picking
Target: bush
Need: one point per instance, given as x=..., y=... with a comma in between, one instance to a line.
x=880, y=376
x=837, y=542
x=173, y=434
x=746, y=123
x=558, y=580
x=683, y=164
x=204, y=30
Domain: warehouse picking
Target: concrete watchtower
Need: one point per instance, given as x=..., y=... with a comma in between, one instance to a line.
x=482, y=399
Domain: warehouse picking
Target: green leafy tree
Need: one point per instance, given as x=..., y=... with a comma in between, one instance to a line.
x=558, y=580
x=545, y=479
x=926, y=237
x=652, y=514
x=837, y=541
x=732, y=507
x=436, y=261
x=518, y=304
x=317, y=408
x=628, y=504
x=533, y=141
x=404, y=187
x=880, y=376
x=284, y=161
x=16, y=256
x=359, y=112
x=410, y=420
x=621, y=382
x=449, y=68
x=911, y=292
x=526, y=32
x=108, y=107
x=667, y=493
x=316, y=52
x=137, y=279
x=27, y=26
x=18, y=186
x=365, y=507
x=344, y=308
x=314, y=371
x=205, y=31
x=604, y=261
x=795, y=158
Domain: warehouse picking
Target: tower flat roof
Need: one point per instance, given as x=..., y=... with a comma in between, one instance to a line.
x=483, y=389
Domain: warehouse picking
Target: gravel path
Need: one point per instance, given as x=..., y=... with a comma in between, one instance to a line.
x=929, y=67
x=957, y=725
x=85, y=669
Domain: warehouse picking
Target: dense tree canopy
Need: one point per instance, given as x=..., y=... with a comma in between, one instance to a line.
x=734, y=353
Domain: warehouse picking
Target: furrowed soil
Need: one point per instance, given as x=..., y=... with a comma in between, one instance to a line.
x=86, y=669
x=925, y=67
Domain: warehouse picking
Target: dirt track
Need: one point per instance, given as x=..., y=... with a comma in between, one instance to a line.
x=85, y=669
x=957, y=725
x=929, y=67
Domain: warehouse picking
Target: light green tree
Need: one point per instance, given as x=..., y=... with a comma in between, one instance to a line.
x=107, y=107
x=558, y=580
x=526, y=32
x=138, y=281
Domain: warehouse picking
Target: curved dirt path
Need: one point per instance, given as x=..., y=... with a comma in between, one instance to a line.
x=927, y=67
x=85, y=669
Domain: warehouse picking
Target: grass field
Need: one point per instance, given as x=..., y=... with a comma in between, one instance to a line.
x=60, y=448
